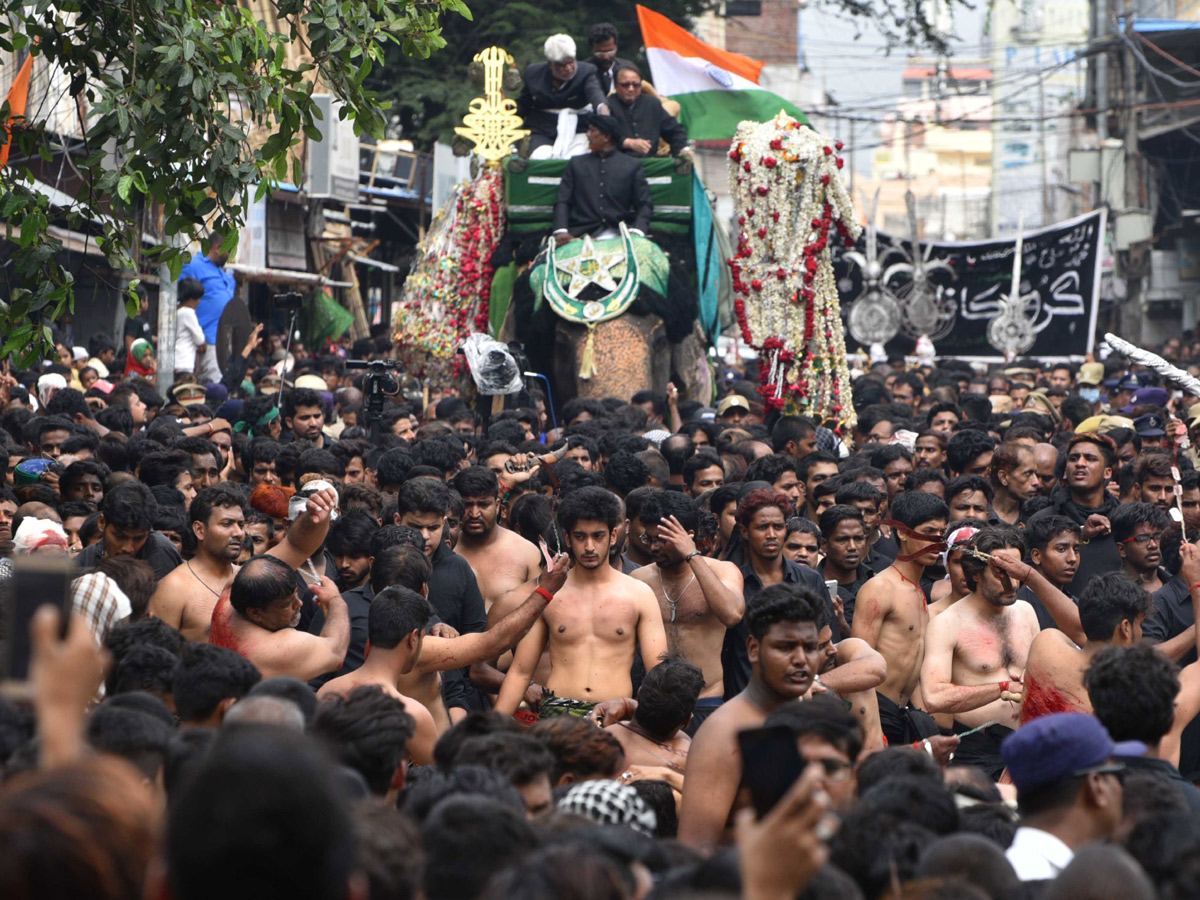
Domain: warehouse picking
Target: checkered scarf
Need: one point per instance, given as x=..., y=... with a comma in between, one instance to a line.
x=610, y=803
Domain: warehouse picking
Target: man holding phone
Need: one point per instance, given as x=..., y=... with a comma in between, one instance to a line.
x=185, y=598
x=785, y=656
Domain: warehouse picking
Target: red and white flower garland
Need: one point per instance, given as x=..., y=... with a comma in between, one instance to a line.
x=447, y=293
x=788, y=198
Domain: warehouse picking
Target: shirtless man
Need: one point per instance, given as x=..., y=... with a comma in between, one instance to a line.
x=258, y=616
x=186, y=597
x=602, y=616
x=503, y=561
x=853, y=671
x=655, y=744
x=407, y=567
x=1112, y=610
x=975, y=652
x=785, y=657
x=890, y=615
x=699, y=598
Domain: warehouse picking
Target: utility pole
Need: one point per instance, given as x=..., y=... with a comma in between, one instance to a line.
x=1136, y=258
x=1046, y=212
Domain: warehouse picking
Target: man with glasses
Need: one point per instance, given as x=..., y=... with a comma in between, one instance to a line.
x=556, y=99
x=602, y=40
x=1138, y=531
x=643, y=120
x=1069, y=791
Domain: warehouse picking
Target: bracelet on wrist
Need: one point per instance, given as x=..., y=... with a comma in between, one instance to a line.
x=545, y=593
x=1193, y=586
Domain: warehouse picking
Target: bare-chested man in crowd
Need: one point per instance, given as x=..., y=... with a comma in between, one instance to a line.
x=785, y=657
x=403, y=655
x=600, y=618
x=504, y=562
x=890, y=616
x=186, y=597
x=258, y=615
x=699, y=598
x=405, y=566
x=975, y=652
x=1112, y=609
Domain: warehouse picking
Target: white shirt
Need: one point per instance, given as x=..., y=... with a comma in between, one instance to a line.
x=188, y=336
x=1037, y=855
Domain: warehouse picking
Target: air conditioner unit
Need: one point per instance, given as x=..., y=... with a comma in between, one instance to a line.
x=332, y=161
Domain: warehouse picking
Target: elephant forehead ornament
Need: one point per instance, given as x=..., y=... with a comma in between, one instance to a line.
x=790, y=204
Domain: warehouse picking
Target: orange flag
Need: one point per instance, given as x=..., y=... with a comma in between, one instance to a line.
x=18, y=99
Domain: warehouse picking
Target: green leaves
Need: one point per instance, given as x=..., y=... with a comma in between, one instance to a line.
x=179, y=94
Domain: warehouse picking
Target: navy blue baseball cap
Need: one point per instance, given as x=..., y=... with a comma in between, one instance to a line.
x=1054, y=748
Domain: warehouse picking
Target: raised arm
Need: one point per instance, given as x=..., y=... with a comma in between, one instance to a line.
x=305, y=656
x=721, y=583
x=859, y=668
x=439, y=654
x=307, y=533
x=1187, y=702
x=938, y=689
x=1061, y=607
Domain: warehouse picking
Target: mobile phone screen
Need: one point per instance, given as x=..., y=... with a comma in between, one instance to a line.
x=37, y=580
x=771, y=764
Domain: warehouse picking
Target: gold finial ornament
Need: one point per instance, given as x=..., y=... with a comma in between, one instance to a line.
x=492, y=123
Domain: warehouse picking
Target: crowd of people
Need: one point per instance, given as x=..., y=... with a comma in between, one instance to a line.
x=632, y=647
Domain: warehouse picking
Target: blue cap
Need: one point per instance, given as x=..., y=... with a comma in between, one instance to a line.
x=1151, y=396
x=1150, y=425
x=1051, y=749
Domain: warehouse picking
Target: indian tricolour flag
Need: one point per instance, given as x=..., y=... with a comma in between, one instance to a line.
x=716, y=89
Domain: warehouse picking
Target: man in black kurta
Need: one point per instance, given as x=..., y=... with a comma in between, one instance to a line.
x=562, y=83
x=602, y=189
x=642, y=118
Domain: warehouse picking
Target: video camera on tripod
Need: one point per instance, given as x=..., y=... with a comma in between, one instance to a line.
x=378, y=383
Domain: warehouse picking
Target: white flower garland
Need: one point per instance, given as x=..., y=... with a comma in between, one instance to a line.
x=789, y=196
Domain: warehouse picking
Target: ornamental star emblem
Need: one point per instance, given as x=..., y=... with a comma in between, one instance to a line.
x=591, y=266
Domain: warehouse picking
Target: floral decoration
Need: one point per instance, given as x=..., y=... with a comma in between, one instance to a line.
x=446, y=294
x=790, y=204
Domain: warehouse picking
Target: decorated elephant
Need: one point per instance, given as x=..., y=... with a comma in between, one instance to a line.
x=658, y=332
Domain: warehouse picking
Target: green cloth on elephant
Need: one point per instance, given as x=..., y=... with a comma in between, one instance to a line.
x=653, y=269
x=552, y=707
x=501, y=295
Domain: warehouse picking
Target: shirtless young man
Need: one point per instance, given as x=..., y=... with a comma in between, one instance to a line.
x=655, y=745
x=890, y=615
x=408, y=568
x=699, y=598
x=504, y=562
x=186, y=597
x=975, y=652
x=785, y=657
x=600, y=618
x=1111, y=610
x=258, y=615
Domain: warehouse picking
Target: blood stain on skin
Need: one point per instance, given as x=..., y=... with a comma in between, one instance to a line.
x=1042, y=700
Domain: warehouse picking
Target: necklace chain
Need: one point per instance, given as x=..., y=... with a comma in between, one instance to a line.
x=188, y=563
x=673, y=603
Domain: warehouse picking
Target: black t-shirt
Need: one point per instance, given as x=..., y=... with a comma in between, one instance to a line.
x=158, y=551
x=137, y=327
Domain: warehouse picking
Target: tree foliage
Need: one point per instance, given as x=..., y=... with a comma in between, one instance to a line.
x=179, y=96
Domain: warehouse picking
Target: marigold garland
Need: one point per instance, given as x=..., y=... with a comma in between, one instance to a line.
x=788, y=197
x=446, y=295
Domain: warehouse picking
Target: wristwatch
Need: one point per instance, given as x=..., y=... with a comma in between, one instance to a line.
x=688, y=558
